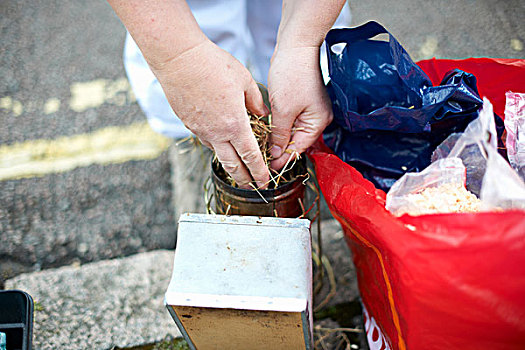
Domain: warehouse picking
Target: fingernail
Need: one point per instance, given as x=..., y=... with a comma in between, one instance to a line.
x=276, y=151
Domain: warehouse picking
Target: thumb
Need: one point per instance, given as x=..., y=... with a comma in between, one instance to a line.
x=254, y=100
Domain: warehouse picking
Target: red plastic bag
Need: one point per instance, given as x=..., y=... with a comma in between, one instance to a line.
x=445, y=281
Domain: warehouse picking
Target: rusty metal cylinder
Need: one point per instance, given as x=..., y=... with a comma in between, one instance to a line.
x=284, y=201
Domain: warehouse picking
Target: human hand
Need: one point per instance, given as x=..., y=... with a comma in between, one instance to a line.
x=301, y=108
x=210, y=90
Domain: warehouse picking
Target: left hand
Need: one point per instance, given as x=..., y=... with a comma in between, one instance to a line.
x=298, y=99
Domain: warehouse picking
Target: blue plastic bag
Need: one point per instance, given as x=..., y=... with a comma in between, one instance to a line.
x=388, y=118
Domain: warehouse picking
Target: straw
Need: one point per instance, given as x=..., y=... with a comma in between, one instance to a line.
x=262, y=128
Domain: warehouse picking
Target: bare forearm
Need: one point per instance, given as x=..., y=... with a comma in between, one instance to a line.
x=305, y=23
x=189, y=67
x=297, y=93
x=162, y=29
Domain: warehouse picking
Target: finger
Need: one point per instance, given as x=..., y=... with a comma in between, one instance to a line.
x=232, y=164
x=300, y=141
x=248, y=150
x=282, y=122
x=254, y=100
x=279, y=163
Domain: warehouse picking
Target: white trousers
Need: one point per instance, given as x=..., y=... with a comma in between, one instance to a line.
x=245, y=28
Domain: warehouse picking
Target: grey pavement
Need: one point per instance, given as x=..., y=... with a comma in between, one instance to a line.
x=335, y=249
x=88, y=214
x=102, y=305
x=450, y=29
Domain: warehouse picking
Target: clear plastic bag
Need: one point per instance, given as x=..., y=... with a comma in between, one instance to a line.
x=405, y=196
x=515, y=126
x=501, y=187
x=475, y=152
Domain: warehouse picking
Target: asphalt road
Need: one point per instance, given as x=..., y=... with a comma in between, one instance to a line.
x=450, y=29
x=54, y=56
x=100, y=211
x=47, y=46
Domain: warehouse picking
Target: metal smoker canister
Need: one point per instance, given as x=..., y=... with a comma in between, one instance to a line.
x=284, y=201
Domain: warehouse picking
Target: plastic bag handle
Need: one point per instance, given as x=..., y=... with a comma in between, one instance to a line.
x=411, y=73
x=348, y=35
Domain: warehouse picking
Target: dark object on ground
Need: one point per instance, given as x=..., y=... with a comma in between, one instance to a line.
x=16, y=319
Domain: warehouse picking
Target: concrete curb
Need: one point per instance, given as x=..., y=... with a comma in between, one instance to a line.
x=102, y=305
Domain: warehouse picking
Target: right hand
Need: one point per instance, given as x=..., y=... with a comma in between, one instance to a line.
x=210, y=90
x=299, y=100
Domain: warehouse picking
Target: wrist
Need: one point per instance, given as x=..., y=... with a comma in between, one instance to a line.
x=292, y=36
x=159, y=58
x=304, y=23
x=301, y=55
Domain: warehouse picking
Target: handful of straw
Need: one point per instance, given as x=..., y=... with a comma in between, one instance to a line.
x=262, y=128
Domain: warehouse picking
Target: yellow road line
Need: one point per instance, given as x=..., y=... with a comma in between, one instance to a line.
x=84, y=95
x=105, y=146
x=94, y=93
